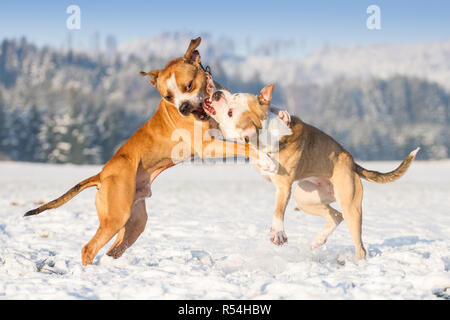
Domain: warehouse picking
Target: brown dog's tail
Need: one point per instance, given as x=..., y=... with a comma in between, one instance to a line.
x=89, y=182
x=378, y=177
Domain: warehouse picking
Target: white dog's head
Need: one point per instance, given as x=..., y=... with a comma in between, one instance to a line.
x=247, y=117
x=240, y=115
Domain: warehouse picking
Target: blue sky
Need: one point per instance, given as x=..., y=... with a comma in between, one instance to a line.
x=313, y=23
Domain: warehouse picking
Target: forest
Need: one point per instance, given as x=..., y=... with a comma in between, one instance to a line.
x=61, y=106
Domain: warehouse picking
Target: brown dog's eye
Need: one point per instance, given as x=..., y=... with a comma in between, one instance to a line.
x=189, y=87
x=168, y=97
x=230, y=113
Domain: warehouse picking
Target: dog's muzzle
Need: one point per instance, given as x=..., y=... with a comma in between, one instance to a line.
x=185, y=108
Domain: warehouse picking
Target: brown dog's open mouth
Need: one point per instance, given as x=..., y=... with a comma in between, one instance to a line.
x=201, y=112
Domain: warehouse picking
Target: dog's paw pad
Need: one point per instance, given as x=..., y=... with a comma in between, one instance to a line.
x=278, y=237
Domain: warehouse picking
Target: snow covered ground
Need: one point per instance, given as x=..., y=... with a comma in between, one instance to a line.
x=207, y=237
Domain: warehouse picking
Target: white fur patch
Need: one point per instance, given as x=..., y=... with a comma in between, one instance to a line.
x=414, y=152
x=273, y=129
x=277, y=224
x=178, y=96
x=239, y=104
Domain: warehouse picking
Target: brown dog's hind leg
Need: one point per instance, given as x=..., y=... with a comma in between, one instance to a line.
x=113, y=203
x=119, y=239
x=138, y=217
x=131, y=231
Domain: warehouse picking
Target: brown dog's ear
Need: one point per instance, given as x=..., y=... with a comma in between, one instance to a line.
x=153, y=76
x=266, y=94
x=195, y=57
x=192, y=54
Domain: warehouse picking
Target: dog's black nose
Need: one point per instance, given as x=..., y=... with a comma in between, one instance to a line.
x=217, y=95
x=185, y=108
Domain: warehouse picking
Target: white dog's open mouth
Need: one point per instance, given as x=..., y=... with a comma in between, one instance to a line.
x=209, y=109
x=210, y=88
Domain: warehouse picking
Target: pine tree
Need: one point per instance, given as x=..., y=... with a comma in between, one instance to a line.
x=75, y=143
x=17, y=135
x=3, y=129
x=31, y=148
x=71, y=146
x=92, y=143
x=50, y=137
x=109, y=129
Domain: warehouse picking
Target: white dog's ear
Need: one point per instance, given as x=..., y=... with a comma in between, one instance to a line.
x=265, y=95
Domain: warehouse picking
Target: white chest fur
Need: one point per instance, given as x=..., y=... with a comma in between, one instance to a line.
x=273, y=129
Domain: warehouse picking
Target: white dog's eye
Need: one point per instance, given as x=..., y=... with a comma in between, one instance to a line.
x=230, y=113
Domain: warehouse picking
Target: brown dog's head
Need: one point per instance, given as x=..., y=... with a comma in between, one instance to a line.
x=184, y=83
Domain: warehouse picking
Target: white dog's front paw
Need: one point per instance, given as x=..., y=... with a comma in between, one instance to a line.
x=319, y=241
x=265, y=164
x=285, y=116
x=278, y=237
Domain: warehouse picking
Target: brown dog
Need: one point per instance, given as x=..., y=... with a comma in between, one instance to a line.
x=125, y=180
x=325, y=171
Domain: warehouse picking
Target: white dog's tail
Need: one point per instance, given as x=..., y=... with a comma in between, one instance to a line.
x=379, y=177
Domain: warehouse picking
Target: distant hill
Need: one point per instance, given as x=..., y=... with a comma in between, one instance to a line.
x=429, y=61
x=71, y=106
x=376, y=118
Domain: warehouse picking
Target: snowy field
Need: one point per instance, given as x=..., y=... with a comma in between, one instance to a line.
x=207, y=237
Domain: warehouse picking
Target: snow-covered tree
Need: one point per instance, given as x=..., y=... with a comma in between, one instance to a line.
x=3, y=129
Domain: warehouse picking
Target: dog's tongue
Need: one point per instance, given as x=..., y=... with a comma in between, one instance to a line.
x=208, y=107
x=210, y=88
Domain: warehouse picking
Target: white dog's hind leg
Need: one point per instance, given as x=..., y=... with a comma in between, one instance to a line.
x=334, y=218
x=314, y=197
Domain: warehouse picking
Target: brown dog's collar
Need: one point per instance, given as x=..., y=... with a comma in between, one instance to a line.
x=207, y=69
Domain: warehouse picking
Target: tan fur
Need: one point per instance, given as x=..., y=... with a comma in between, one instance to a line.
x=250, y=120
x=258, y=110
x=126, y=178
x=90, y=182
x=192, y=46
x=379, y=177
x=325, y=172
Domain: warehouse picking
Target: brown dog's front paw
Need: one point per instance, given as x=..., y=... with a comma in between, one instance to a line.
x=86, y=256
